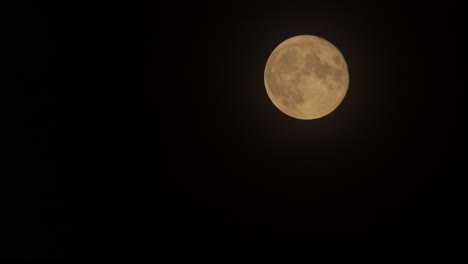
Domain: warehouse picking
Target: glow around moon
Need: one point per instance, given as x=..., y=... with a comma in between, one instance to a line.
x=306, y=77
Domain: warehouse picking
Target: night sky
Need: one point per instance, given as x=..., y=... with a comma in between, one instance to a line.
x=152, y=122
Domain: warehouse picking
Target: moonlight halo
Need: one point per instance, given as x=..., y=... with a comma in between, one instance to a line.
x=306, y=77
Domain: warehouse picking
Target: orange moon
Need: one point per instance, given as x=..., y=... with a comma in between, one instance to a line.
x=306, y=77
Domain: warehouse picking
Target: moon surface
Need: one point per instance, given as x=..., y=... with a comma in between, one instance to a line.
x=306, y=77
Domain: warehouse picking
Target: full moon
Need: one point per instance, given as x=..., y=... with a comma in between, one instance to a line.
x=306, y=77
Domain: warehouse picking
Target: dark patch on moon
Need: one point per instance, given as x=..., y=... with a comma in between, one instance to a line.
x=291, y=94
x=289, y=61
x=321, y=69
x=298, y=97
x=311, y=60
x=337, y=60
x=337, y=75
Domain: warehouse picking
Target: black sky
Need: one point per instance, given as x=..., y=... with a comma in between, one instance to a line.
x=153, y=121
